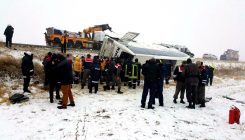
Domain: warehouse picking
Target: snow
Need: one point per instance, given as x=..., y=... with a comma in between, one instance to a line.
x=108, y=115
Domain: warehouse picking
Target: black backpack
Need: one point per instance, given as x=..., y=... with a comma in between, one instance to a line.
x=18, y=98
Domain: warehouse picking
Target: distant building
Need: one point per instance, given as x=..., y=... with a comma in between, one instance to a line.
x=230, y=55
x=209, y=56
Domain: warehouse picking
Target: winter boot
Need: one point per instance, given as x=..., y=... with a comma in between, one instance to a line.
x=82, y=86
x=71, y=104
x=202, y=105
x=181, y=101
x=58, y=97
x=104, y=88
x=193, y=106
x=175, y=101
x=190, y=105
x=142, y=106
x=61, y=107
x=119, y=91
x=113, y=88
x=151, y=107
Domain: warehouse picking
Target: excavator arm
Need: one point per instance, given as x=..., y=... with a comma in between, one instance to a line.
x=94, y=29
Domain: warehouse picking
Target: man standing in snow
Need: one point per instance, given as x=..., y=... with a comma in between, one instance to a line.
x=191, y=73
x=9, y=31
x=151, y=72
x=117, y=75
x=210, y=74
x=180, y=82
x=27, y=70
x=94, y=75
x=64, y=40
x=87, y=68
x=139, y=70
x=66, y=80
x=201, y=85
x=47, y=62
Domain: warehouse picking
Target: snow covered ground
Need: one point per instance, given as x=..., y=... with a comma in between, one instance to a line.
x=108, y=115
x=112, y=116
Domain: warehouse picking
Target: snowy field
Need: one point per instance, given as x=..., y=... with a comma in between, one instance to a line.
x=112, y=116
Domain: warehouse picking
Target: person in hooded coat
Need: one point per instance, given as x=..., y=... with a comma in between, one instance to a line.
x=27, y=68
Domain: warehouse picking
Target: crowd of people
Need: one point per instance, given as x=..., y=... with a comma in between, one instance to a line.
x=192, y=78
x=110, y=72
x=61, y=71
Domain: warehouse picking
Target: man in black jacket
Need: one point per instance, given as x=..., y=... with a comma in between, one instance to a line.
x=66, y=80
x=180, y=82
x=94, y=75
x=53, y=78
x=151, y=72
x=9, y=31
x=191, y=73
x=27, y=70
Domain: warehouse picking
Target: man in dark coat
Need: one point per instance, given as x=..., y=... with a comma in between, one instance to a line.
x=94, y=75
x=109, y=75
x=47, y=62
x=210, y=74
x=151, y=73
x=159, y=87
x=87, y=68
x=139, y=70
x=117, y=75
x=66, y=80
x=9, y=31
x=27, y=70
x=201, y=85
x=180, y=82
x=167, y=71
x=191, y=73
x=53, y=78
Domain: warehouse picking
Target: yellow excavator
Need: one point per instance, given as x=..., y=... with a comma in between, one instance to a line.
x=90, y=38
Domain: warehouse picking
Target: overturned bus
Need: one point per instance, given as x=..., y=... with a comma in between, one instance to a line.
x=125, y=48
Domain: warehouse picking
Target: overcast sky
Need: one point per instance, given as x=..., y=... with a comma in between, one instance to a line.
x=204, y=26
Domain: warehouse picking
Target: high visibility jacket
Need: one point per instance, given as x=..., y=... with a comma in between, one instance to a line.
x=77, y=65
x=63, y=38
x=131, y=71
x=88, y=63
